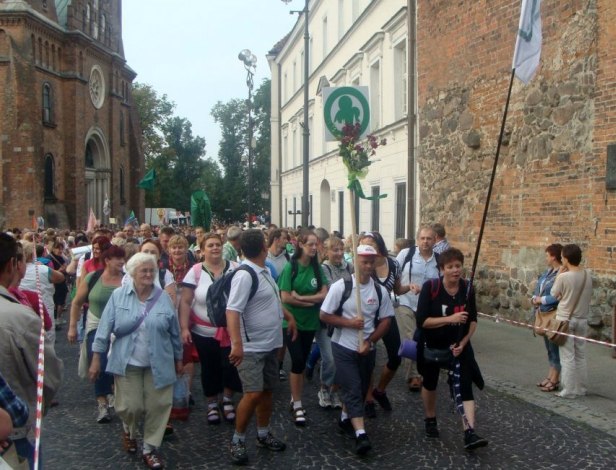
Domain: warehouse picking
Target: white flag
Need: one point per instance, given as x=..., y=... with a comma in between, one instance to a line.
x=528, y=42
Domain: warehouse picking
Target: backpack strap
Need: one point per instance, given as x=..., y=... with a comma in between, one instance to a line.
x=96, y=275
x=409, y=259
x=435, y=287
x=346, y=294
x=379, y=296
x=253, y=275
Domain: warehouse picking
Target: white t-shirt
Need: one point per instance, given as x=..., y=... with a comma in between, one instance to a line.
x=261, y=316
x=141, y=352
x=198, y=306
x=347, y=337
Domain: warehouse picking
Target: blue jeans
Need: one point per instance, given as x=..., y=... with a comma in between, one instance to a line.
x=25, y=449
x=328, y=368
x=553, y=354
x=102, y=385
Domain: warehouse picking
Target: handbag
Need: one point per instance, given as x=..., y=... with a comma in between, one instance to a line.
x=558, y=327
x=542, y=321
x=437, y=356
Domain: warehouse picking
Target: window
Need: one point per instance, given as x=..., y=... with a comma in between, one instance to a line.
x=103, y=25
x=311, y=153
x=294, y=89
x=325, y=49
x=122, y=187
x=47, y=104
x=376, y=208
x=341, y=211
x=310, y=210
x=400, y=212
x=294, y=149
x=89, y=156
x=49, y=178
x=286, y=212
x=87, y=20
x=285, y=85
x=375, y=95
x=400, y=80
x=122, y=136
x=340, y=19
x=285, y=153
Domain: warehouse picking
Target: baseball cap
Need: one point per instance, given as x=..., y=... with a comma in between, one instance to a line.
x=366, y=250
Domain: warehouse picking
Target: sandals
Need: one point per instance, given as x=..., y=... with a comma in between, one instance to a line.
x=544, y=383
x=213, y=414
x=299, y=416
x=228, y=411
x=550, y=386
x=129, y=445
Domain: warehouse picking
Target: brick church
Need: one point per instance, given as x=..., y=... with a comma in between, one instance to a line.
x=69, y=133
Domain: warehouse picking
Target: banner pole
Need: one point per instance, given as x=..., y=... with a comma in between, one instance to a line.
x=354, y=228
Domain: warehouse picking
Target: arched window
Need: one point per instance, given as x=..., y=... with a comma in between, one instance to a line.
x=103, y=25
x=122, y=187
x=89, y=156
x=46, y=64
x=33, y=39
x=49, y=178
x=53, y=57
x=47, y=104
x=88, y=18
x=122, y=135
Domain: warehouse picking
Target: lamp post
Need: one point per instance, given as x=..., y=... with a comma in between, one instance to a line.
x=250, y=64
x=306, y=132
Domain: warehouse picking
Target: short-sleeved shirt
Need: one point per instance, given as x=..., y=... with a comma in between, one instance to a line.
x=201, y=288
x=262, y=315
x=421, y=271
x=393, y=274
x=347, y=337
x=279, y=261
x=333, y=272
x=305, y=283
x=568, y=286
x=445, y=305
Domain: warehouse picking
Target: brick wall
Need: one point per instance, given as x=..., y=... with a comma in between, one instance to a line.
x=550, y=183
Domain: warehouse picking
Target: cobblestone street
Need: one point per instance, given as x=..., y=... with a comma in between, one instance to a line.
x=521, y=435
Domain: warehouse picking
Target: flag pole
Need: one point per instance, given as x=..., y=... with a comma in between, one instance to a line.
x=487, y=206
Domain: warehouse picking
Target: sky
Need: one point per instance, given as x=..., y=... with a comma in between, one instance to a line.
x=188, y=50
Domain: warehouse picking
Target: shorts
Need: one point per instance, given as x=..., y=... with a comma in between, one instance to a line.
x=258, y=371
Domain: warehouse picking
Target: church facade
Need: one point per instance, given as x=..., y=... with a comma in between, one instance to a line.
x=69, y=133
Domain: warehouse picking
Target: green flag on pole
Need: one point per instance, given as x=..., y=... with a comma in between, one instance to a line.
x=148, y=180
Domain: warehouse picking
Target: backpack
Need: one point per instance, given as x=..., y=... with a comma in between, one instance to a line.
x=218, y=295
x=346, y=295
x=409, y=257
x=315, y=268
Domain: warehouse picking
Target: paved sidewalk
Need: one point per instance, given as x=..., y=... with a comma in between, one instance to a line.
x=513, y=361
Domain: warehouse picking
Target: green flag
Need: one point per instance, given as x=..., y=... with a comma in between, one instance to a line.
x=148, y=180
x=200, y=210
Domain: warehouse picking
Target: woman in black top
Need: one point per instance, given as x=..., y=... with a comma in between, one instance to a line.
x=447, y=318
x=386, y=273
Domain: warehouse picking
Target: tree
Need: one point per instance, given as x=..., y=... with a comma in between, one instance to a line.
x=262, y=153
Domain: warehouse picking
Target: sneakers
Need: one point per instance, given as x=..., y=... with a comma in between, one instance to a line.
x=346, y=428
x=325, y=400
x=381, y=398
x=128, y=444
x=271, y=443
x=431, y=427
x=362, y=444
x=152, y=460
x=370, y=410
x=336, y=402
x=473, y=441
x=299, y=416
x=282, y=375
x=103, y=414
x=238, y=453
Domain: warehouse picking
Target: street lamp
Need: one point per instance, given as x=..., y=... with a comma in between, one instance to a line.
x=250, y=64
x=306, y=133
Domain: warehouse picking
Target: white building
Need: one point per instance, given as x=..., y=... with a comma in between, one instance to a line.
x=352, y=42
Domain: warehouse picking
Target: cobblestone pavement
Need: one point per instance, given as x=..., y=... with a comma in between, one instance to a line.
x=521, y=435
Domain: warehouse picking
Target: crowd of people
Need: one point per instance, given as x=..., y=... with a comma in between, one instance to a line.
x=143, y=302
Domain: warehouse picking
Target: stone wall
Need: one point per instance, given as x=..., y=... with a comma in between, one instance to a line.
x=550, y=181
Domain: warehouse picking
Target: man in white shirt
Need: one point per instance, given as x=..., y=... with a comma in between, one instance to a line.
x=354, y=360
x=260, y=319
x=421, y=266
x=277, y=251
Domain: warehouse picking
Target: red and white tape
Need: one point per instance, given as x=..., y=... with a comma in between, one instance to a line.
x=498, y=319
x=40, y=375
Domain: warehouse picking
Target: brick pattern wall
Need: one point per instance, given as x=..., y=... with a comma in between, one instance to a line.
x=550, y=183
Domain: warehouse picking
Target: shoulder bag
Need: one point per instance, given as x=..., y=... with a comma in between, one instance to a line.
x=557, y=327
x=543, y=319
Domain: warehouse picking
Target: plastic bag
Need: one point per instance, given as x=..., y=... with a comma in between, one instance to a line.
x=180, y=409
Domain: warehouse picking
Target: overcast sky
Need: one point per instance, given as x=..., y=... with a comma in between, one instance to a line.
x=188, y=50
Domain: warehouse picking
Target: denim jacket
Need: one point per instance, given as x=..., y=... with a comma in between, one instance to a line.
x=121, y=313
x=543, y=290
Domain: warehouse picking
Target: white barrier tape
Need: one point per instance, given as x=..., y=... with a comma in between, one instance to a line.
x=40, y=375
x=498, y=319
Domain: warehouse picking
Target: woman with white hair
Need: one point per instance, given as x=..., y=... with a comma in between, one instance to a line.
x=145, y=357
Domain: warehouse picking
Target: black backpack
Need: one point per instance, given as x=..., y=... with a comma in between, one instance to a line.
x=218, y=295
x=409, y=257
x=346, y=295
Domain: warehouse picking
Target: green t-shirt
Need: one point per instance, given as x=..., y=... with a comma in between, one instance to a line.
x=99, y=295
x=305, y=283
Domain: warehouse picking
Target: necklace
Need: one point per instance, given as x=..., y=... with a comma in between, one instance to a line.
x=452, y=291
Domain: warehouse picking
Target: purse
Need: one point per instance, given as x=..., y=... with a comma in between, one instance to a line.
x=557, y=327
x=437, y=356
x=542, y=321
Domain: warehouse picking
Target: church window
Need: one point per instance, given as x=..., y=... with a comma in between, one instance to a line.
x=47, y=104
x=122, y=187
x=89, y=156
x=49, y=178
x=122, y=135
